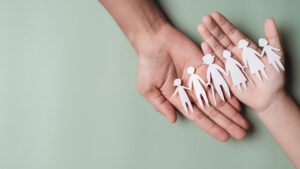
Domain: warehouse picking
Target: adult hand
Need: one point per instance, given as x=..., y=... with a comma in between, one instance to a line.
x=165, y=56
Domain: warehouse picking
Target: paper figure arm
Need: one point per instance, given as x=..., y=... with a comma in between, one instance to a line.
x=221, y=70
x=245, y=62
x=226, y=68
x=186, y=88
x=208, y=76
x=238, y=64
x=190, y=84
x=276, y=49
x=258, y=54
x=202, y=81
x=176, y=91
x=263, y=52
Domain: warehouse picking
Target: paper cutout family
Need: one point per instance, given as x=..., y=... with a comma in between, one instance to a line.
x=234, y=69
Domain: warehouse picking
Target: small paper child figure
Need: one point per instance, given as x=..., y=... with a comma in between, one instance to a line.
x=195, y=82
x=250, y=58
x=273, y=57
x=234, y=69
x=213, y=73
x=185, y=101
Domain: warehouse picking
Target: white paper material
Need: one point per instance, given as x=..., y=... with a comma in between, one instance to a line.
x=270, y=51
x=251, y=60
x=195, y=83
x=184, y=99
x=215, y=77
x=235, y=70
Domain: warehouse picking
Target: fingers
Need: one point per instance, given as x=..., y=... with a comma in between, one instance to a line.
x=160, y=103
x=225, y=115
x=235, y=103
x=272, y=34
x=217, y=32
x=235, y=119
x=231, y=31
x=232, y=114
x=222, y=120
x=202, y=121
x=215, y=46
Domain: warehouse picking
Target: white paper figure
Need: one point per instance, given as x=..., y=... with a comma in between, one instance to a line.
x=195, y=82
x=273, y=57
x=213, y=73
x=234, y=69
x=185, y=101
x=251, y=60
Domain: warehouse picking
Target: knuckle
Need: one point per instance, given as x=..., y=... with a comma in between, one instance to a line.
x=143, y=89
x=229, y=126
x=221, y=36
x=213, y=114
x=197, y=117
x=220, y=104
x=232, y=30
x=211, y=129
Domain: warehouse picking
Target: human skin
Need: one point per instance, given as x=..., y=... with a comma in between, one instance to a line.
x=164, y=54
x=273, y=106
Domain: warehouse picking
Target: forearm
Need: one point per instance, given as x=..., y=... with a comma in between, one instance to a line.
x=136, y=18
x=282, y=119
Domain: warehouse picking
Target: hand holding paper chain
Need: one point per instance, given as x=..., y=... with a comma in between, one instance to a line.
x=251, y=60
x=233, y=68
x=185, y=101
x=273, y=57
x=195, y=83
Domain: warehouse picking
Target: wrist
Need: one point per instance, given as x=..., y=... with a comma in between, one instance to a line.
x=148, y=34
x=279, y=101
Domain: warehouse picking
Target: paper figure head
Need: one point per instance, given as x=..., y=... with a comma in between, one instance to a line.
x=243, y=43
x=226, y=54
x=191, y=70
x=208, y=59
x=177, y=82
x=262, y=42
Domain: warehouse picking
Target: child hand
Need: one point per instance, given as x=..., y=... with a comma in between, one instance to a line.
x=163, y=58
x=219, y=34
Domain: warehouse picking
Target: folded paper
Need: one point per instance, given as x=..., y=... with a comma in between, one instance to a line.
x=214, y=76
x=184, y=99
x=235, y=70
x=195, y=83
x=272, y=56
x=251, y=60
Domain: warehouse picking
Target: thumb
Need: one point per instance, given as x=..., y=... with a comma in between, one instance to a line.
x=161, y=104
x=272, y=34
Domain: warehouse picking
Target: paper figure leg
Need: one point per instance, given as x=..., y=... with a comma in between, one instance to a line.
x=244, y=85
x=258, y=75
x=280, y=65
x=184, y=105
x=226, y=89
x=275, y=66
x=239, y=87
x=219, y=91
x=189, y=104
x=199, y=100
x=205, y=99
x=185, y=108
x=263, y=72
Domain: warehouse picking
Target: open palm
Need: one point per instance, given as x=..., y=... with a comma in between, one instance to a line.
x=219, y=34
x=165, y=57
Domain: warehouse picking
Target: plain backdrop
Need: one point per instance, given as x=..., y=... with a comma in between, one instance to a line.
x=68, y=98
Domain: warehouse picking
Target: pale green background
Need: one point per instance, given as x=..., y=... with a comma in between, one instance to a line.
x=68, y=98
